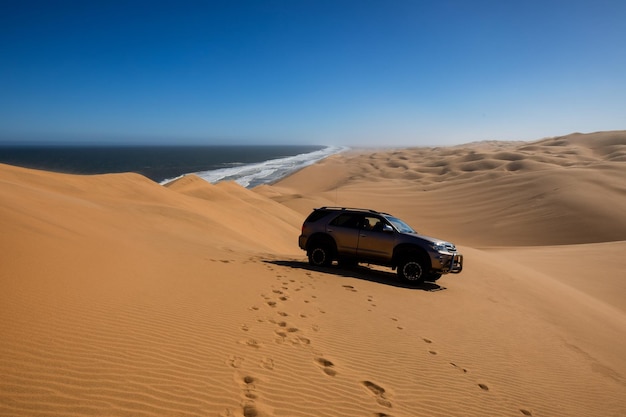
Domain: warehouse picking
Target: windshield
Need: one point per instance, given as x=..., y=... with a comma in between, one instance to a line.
x=401, y=226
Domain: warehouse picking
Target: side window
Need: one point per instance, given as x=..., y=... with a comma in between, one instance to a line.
x=345, y=220
x=372, y=223
x=316, y=215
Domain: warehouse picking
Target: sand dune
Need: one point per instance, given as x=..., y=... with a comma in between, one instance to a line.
x=119, y=296
x=556, y=191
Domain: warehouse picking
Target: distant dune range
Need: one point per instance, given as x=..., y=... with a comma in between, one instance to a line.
x=555, y=191
x=119, y=296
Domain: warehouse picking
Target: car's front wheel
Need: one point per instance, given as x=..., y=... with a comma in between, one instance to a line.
x=320, y=255
x=412, y=269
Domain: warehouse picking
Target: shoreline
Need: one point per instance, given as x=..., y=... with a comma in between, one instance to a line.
x=159, y=163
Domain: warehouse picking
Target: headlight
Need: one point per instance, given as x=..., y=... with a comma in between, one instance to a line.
x=440, y=247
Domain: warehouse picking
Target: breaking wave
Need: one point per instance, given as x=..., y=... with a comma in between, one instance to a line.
x=266, y=172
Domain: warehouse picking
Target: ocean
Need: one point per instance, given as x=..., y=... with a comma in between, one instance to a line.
x=248, y=165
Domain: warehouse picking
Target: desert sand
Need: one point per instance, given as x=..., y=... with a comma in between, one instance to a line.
x=122, y=297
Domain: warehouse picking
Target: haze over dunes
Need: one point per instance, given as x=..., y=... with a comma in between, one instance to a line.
x=119, y=296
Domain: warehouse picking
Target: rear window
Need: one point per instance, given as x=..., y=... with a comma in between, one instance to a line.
x=346, y=220
x=316, y=215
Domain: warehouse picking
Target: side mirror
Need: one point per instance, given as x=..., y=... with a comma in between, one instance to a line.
x=387, y=228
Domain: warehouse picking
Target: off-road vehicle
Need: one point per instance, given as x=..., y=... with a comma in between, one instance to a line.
x=352, y=235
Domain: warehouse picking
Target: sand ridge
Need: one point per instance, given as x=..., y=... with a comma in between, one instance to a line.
x=119, y=296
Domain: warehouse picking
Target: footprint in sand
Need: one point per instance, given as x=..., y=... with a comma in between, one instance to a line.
x=350, y=288
x=235, y=361
x=483, y=387
x=251, y=343
x=379, y=393
x=249, y=410
x=301, y=341
x=458, y=367
x=525, y=412
x=267, y=363
x=282, y=335
x=327, y=366
x=249, y=381
x=397, y=327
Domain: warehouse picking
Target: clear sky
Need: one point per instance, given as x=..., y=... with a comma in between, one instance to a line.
x=402, y=73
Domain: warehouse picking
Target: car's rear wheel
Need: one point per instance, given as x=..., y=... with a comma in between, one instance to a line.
x=320, y=255
x=412, y=269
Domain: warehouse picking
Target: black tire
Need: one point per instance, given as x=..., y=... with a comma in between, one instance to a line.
x=320, y=255
x=412, y=269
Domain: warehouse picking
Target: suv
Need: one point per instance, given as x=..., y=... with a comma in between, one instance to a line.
x=351, y=235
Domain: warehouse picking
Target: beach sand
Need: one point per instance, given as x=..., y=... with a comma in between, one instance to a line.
x=122, y=297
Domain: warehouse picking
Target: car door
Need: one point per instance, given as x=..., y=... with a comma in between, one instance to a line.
x=376, y=239
x=345, y=230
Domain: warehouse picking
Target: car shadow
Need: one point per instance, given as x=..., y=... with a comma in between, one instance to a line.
x=361, y=272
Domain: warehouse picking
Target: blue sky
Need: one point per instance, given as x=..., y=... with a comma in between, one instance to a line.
x=401, y=73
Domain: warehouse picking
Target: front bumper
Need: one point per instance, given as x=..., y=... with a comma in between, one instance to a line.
x=448, y=263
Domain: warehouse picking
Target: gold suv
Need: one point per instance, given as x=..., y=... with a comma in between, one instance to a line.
x=352, y=235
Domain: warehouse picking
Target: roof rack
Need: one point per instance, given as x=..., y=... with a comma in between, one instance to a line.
x=353, y=209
